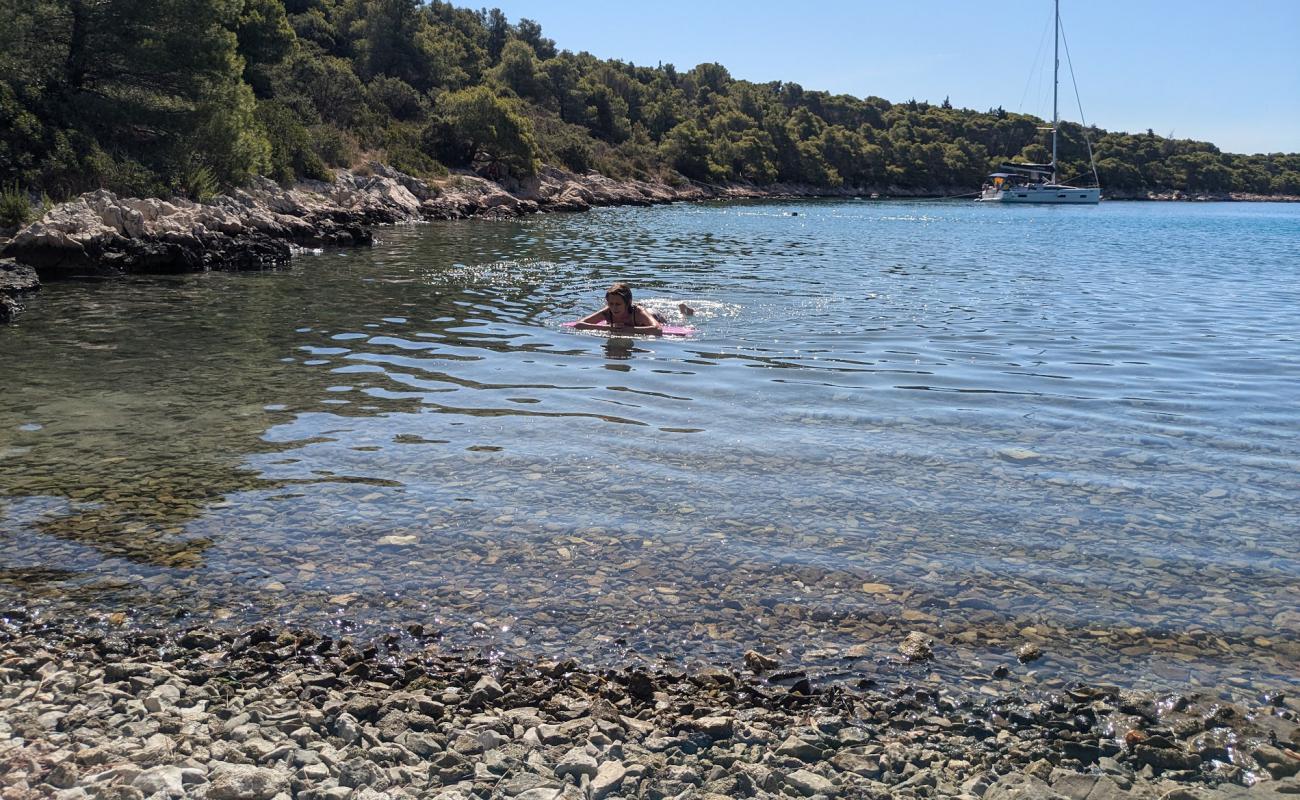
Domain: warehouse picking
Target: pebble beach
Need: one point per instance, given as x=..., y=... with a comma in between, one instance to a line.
x=94, y=709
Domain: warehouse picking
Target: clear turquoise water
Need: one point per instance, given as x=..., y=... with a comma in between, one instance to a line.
x=1075, y=426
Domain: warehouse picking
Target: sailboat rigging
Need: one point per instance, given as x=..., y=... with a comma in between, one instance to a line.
x=1038, y=183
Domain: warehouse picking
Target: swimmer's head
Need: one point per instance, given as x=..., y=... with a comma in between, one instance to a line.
x=619, y=297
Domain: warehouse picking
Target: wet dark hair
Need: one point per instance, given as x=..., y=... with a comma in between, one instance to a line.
x=622, y=290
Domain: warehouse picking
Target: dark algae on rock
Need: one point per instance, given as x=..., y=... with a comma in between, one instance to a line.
x=16, y=280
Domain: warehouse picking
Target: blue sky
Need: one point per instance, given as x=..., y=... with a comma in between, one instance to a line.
x=1227, y=73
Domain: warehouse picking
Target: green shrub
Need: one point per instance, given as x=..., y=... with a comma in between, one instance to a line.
x=403, y=146
x=334, y=89
x=475, y=126
x=15, y=207
x=334, y=147
x=638, y=157
x=127, y=177
x=686, y=148
x=21, y=134
x=397, y=99
x=292, y=153
x=573, y=151
x=287, y=137
x=311, y=166
x=75, y=164
x=226, y=136
x=198, y=183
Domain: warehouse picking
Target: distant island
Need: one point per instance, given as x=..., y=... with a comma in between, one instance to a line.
x=192, y=98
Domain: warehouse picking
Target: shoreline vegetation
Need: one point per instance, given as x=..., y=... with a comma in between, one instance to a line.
x=220, y=93
x=228, y=104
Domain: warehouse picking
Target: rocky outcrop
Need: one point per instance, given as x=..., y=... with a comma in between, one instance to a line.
x=15, y=281
x=255, y=227
x=258, y=226
x=102, y=234
x=551, y=189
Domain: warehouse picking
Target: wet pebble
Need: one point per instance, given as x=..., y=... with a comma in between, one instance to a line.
x=262, y=713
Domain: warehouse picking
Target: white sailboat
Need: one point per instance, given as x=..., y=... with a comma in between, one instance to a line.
x=1038, y=183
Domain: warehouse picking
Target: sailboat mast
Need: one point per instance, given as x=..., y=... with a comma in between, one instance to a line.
x=1056, y=69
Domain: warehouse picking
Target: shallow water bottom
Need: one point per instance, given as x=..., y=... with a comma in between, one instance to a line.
x=876, y=431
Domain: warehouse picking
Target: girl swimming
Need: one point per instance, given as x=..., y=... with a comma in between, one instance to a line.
x=621, y=313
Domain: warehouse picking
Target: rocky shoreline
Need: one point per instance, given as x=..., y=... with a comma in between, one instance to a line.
x=263, y=225
x=99, y=234
x=16, y=280
x=1202, y=197
x=100, y=710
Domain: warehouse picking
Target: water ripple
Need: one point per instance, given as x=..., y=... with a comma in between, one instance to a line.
x=1078, y=421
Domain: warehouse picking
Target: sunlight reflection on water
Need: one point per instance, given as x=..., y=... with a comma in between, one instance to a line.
x=1078, y=422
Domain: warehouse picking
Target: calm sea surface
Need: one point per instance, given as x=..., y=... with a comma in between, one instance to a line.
x=1076, y=427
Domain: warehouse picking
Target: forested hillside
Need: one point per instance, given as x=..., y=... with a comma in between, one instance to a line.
x=151, y=97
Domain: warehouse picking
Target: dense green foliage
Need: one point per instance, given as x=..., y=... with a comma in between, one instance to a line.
x=188, y=96
x=15, y=207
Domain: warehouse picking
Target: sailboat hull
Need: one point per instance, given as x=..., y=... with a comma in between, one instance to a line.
x=1037, y=183
x=1043, y=195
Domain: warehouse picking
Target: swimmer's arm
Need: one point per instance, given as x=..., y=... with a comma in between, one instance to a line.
x=652, y=330
x=589, y=322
